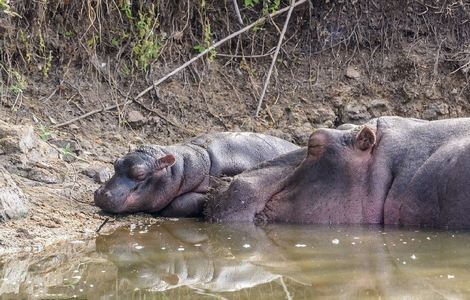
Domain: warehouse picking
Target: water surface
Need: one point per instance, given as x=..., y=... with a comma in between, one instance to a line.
x=187, y=259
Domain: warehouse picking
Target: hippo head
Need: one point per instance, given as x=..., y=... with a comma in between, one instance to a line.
x=139, y=182
x=330, y=183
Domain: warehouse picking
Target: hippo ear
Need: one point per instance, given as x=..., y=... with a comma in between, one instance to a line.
x=165, y=162
x=365, y=139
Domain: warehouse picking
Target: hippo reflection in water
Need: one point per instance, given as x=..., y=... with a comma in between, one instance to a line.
x=391, y=170
x=188, y=260
x=173, y=179
x=219, y=259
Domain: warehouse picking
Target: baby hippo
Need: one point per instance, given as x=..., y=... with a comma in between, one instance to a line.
x=173, y=179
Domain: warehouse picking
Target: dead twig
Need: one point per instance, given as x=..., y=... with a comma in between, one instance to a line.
x=161, y=116
x=273, y=63
x=92, y=113
x=44, y=100
x=102, y=225
x=237, y=10
x=215, y=45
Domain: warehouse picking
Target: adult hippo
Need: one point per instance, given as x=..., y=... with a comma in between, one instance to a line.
x=174, y=179
x=391, y=170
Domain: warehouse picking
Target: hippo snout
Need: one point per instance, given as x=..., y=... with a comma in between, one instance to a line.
x=100, y=197
x=104, y=200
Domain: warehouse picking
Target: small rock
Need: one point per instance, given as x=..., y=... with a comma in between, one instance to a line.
x=378, y=107
x=23, y=233
x=136, y=117
x=57, y=220
x=302, y=135
x=354, y=112
x=13, y=203
x=327, y=124
x=16, y=138
x=69, y=145
x=36, y=218
x=101, y=176
x=44, y=176
x=90, y=172
x=432, y=94
x=322, y=116
x=352, y=73
x=410, y=92
x=74, y=127
x=435, y=110
x=87, y=145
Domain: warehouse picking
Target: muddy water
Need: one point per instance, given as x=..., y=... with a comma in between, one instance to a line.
x=186, y=259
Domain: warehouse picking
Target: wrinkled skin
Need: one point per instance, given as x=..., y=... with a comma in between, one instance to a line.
x=390, y=171
x=173, y=180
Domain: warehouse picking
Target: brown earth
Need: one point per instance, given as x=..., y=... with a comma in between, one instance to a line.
x=415, y=75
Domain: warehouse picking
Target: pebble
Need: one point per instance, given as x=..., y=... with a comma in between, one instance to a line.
x=352, y=73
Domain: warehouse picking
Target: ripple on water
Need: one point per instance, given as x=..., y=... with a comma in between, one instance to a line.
x=190, y=259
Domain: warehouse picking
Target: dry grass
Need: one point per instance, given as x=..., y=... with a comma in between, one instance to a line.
x=128, y=40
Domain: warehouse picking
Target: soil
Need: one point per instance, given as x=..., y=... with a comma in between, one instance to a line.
x=344, y=84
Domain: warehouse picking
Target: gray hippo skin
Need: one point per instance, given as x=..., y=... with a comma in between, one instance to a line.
x=173, y=180
x=391, y=170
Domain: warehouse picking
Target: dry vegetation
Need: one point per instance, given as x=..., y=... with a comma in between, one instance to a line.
x=127, y=44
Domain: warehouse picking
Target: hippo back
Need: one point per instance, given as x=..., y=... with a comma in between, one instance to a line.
x=234, y=152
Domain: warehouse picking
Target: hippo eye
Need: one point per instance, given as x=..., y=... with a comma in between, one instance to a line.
x=140, y=176
x=138, y=173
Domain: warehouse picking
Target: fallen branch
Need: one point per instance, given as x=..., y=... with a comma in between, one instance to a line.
x=229, y=37
x=273, y=63
x=161, y=116
x=92, y=113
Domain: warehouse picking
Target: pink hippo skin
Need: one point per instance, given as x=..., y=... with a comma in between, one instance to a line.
x=173, y=180
x=391, y=170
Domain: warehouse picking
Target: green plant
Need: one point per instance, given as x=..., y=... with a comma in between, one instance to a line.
x=274, y=5
x=92, y=42
x=69, y=34
x=126, y=9
x=5, y=7
x=26, y=45
x=47, y=56
x=19, y=84
x=147, y=46
x=250, y=3
x=44, y=133
x=125, y=70
x=66, y=152
x=47, y=65
x=206, y=42
x=269, y=6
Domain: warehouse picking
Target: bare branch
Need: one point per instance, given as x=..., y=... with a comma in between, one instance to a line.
x=229, y=37
x=273, y=63
x=237, y=10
